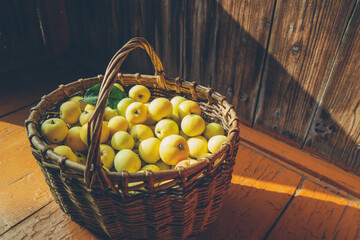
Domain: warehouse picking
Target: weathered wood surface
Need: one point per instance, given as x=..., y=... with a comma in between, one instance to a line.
x=304, y=41
x=335, y=131
x=224, y=48
x=316, y=213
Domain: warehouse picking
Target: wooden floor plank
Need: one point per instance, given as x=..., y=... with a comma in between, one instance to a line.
x=22, y=186
x=259, y=192
x=49, y=223
x=314, y=213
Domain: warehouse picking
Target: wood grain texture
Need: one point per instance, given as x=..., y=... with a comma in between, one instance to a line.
x=316, y=213
x=100, y=29
x=335, y=131
x=303, y=44
x=22, y=185
x=259, y=192
x=224, y=48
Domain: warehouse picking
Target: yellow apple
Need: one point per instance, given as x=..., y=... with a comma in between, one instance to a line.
x=188, y=107
x=151, y=167
x=123, y=105
x=74, y=141
x=70, y=112
x=109, y=113
x=54, y=130
x=185, y=163
x=213, y=129
x=149, y=150
x=127, y=160
x=81, y=158
x=105, y=133
x=140, y=132
x=77, y=100
x=107, y=155
x=181, y=133
x=140, y=93
x=175, y=101
x=119, y=86
x=166, y=127
x=160, y=108
x=162, y=165
x=122, y=140
x=89, y=107
x=193, y=125
x=63, y=150
x=118, y=123
x=176, y=118
x=215, y=142
x=149, y=121
x=198, y=146
x=136, y=113
x=173, y=149
x=85, y=116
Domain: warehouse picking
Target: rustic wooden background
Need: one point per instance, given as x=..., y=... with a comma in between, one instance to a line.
x=291, y=68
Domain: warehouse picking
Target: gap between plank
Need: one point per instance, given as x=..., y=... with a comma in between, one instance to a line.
x=322, y=94
x=285, y=208
x=264, y=66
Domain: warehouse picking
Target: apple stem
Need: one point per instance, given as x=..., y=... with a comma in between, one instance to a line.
x=52, y=121
x=181, y=146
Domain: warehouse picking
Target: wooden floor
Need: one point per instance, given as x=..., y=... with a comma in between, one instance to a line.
x=269, y=197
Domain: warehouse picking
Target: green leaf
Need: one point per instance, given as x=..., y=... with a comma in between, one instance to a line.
x=92, y=94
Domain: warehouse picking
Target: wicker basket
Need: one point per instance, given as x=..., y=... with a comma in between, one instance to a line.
x=172, y=204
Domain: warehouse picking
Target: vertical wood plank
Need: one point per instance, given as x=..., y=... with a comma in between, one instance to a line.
x=335, y=131
x=304, y=41
x=20, y=32
x=225, y=44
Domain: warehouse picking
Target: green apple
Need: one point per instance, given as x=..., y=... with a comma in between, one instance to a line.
x=162, y=165
x=149, y=150
x=213, y=129
x=198, y=146
x=123, y=105
x=85, y=116
x=185, y=163
x=176, y=118
x=107, y=155
x=136, y=113
x=78, y=101
x=188, y=107
x=193, y=125
x=151, y=167
x=54, y=130
x=160, y=108
x=63, y=150
x=105, y=133
x=122, y=140
x=140, y=132
x=166, y=127
x=127, y=160
x=173, y=149
x=109, y=113
x=175, y=101
x=70, y=112
x=74, y=141
x=118, y=123
x=215, y=142
x=140, y=93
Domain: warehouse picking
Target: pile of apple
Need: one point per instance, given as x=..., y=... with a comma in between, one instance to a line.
x=138, y=135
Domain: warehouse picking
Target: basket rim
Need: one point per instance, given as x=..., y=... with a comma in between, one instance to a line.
x=204, y=165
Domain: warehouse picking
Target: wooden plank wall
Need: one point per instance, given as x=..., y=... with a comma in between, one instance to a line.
x=290, y=68
x=20, y=31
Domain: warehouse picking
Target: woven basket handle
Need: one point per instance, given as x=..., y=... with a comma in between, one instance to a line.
x=96, y=121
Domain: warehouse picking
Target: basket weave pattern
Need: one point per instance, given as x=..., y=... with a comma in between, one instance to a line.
x=171, y=204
